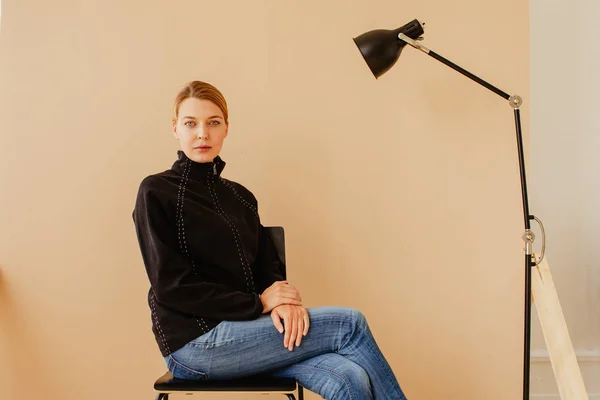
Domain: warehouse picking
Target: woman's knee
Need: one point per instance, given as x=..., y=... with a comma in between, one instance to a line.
x=359, y=318
x=356, y=317
x=355, y=373
x=343, y=325
x=352, y=382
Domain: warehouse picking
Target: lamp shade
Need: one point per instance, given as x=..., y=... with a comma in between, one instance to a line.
x=382, y=47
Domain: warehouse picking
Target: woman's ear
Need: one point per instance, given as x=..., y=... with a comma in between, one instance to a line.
x=174, y=125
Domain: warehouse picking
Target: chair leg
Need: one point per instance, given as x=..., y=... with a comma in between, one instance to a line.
x=300, y=392
x=162, y=396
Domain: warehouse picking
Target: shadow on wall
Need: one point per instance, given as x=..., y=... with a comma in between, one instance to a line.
x=21, y=369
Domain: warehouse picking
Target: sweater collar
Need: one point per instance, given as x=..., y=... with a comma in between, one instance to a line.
x=183, y=164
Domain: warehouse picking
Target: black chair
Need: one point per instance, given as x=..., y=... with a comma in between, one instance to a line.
x=167, y=384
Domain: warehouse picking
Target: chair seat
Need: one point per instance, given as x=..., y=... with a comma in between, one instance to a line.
x=167, y=383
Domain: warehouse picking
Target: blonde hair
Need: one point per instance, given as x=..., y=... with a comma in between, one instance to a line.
x=203, y=91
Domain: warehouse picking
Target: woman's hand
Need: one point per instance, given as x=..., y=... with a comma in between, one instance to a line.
x=296, y=322
x=279, y=293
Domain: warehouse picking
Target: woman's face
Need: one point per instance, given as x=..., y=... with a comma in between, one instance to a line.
x=200, y=128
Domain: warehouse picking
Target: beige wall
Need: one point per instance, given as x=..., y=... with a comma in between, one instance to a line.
x=564, y=162
x=400, y=196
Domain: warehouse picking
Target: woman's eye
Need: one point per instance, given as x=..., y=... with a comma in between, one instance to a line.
x=214, y=122
x=189, y=122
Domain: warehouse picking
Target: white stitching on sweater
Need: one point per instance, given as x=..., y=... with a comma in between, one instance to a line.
x=236, y=234
x=205, y=326
x=155, y=317
x=230, y=186
x=178, y=217
x=202, y=324
x=224, y=181
x=180, y=226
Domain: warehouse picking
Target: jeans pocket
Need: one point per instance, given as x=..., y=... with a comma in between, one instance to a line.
x=181, y=371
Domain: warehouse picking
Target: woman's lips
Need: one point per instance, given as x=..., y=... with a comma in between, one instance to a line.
x=203, y=148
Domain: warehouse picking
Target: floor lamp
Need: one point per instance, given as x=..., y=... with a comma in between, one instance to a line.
x=381, y=49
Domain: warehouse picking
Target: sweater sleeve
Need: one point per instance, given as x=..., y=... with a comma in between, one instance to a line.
x=269, y=265
x=171, y=276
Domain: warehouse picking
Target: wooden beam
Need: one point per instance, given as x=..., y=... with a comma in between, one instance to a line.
x=562, y=356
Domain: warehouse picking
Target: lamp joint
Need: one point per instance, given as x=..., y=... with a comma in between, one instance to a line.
x=515, y=101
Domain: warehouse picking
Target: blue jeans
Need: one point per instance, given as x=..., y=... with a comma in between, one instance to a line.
x=337, y=359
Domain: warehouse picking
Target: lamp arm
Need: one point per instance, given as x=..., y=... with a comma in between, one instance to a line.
x=455, y=67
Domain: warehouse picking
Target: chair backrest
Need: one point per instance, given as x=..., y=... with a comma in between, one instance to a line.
x=277, y=235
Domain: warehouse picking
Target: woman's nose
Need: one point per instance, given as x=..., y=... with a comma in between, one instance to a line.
x=202, y=133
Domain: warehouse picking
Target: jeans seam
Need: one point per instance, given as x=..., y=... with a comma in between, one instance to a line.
x=186, y=368
x=333, y=372
x=210, y=344
x=223, y=342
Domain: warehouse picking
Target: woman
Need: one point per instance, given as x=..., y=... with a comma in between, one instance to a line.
x=220, y=308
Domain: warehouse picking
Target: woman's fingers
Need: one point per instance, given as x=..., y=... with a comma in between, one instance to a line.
x=282, y=302
x=295, y=326
x=306, y=322
x=290, y=292
x=280, y=293
x=288, y=330
x=300, y=324
x=294, y=333
x=277, y=321
x=285, y=297
x=286, y=287
x=288, y=300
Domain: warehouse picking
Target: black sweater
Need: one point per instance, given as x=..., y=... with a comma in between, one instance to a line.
x=205, y=251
